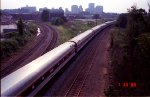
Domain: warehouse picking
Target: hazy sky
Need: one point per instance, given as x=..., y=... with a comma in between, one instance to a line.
x=118, y=6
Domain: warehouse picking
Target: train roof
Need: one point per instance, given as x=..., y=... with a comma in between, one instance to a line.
x=29, y=71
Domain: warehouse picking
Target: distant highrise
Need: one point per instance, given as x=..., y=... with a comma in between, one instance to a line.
x=66, y=11
x=74, y=9
x=98, y=9
x=80, y=9
x=91, y=7
x=87, y=10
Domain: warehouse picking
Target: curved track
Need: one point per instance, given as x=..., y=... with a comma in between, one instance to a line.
x=46, y=41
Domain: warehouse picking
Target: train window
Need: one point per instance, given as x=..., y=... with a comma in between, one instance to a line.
x=39, y=81
x=55, y=66
x=33, y=87
x=72, y=51
x=61, y=61
x=69, y=55
x=51, y=70
x=47, y=74
x=65, y=57
x=43, y=78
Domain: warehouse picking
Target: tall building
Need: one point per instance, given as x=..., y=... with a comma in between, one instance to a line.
x=80, y=9
x=91, y=7
x=87, y=10
x=98, y=9
x=74, y=9
x=67, y=11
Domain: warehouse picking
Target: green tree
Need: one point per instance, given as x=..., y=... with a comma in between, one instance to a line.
x=122, y=21
x=149, y=9
x=0, y=15
x=57, y=21
x=20, y=26
x=45, y=15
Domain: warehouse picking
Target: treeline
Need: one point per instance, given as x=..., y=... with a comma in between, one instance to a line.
x=16, y=40
x=57, y=19
x=130, y=54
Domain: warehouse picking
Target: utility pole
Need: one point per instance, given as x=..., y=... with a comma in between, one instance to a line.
x=96, y=18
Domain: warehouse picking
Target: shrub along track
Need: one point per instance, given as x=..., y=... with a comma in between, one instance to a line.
x=46, y=40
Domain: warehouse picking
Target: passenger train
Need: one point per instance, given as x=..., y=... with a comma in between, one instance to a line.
x=29, y=79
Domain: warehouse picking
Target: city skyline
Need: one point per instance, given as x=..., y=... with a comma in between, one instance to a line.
x=116, y=6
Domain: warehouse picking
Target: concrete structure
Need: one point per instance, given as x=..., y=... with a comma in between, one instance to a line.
x=8, y=28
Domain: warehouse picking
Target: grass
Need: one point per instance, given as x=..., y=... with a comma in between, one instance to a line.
x=65, y=34
x=73, y=28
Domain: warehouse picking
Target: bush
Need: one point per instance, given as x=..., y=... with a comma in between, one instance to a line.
x=122, y=21
x=142, y=51
x=8, y=47
x=11, y=34
x=32, y=28
x=45, y=15
x=130, y=53
x=57, y=21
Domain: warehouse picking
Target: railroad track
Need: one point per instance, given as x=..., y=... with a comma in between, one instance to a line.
x=53, y=41
x=77, y=85
x=76, y=88
x=45, y=29
x=79, y=78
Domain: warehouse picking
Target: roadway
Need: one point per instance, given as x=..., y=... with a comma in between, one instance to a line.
x=85, y=74
x=46, y=40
